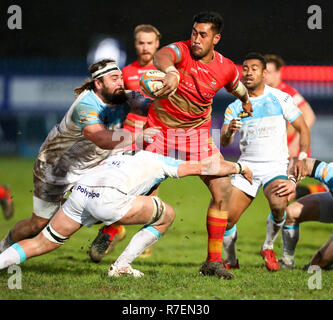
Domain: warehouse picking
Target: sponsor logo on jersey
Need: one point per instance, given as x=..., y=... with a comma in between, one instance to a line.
x=243, y=114
x=133, y=77
x=87, y=193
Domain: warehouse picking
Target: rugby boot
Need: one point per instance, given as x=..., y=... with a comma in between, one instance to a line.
x=271, y=263
x=103, y=244
x=215, y=268
x=115, y=271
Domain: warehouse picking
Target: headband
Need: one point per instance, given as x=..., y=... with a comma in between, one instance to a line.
x=110, y=66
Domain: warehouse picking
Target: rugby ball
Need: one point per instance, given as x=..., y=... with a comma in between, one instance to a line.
x=150, y=82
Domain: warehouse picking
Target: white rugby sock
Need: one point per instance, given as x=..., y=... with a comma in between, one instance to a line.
x=290, y=237
x=142, y=240
x=272, y=231
x=229, y=245
x=13, y=255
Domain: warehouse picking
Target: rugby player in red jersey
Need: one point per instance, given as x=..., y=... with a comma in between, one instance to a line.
x=146, y=42
x=194, y=74
x=274, y=79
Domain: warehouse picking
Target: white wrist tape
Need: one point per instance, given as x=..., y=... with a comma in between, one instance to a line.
x=174, y=70
x=302, y=155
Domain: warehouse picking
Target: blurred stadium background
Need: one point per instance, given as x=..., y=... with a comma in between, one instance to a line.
x=42, y=63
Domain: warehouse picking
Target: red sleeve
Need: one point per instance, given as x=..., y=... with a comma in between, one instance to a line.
x=232, y=76
x=178, y=50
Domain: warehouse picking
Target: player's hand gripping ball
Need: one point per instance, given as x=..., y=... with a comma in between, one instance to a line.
x=151, y=81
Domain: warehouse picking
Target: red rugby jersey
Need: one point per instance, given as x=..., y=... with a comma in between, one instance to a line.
x=297, y=97
x=191, y=105
x=132, y=74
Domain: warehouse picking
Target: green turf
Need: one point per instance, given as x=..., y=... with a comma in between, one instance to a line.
x=172, y=271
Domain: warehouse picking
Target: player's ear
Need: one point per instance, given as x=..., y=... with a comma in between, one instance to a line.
x=264, y=72
x=216, y=39
x=98, y=84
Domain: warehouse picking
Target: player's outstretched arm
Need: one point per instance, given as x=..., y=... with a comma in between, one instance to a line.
x=107, y=139
x=214, y=166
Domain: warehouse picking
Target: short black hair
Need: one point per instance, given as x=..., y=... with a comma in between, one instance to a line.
x=210, y=17
x=257, y=56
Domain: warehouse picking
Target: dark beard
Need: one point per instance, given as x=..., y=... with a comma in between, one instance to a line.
x=115, y=98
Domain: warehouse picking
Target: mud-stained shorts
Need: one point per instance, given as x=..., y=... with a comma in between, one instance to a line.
x=47, y=198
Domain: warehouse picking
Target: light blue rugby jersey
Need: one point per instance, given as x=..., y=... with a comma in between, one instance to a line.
x=263, y=137
x=132, y=174
x=66, y=153
x=89, y=109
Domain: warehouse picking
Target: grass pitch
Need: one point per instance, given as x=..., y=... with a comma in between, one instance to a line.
x=172, y=272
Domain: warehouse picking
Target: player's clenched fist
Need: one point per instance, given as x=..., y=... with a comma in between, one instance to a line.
x=234, y=125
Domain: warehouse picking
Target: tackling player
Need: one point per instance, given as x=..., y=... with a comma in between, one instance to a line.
x=195, y=72
x=83, y=139
x=146, y=42
x=115, y=191
x=263, y=145
x=313, y=207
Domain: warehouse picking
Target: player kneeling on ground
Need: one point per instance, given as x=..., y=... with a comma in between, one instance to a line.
x=313, y=207
x=114, y=191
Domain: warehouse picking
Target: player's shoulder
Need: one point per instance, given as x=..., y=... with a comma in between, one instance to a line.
x=180, y=47
x=223, y=61
x=285, y=87
x=88, y=99
x=277, y=93
x=235, y=105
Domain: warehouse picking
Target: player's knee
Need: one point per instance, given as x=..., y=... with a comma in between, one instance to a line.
x=169, y=214
x=278, y=209
x=37, y=224
x=292, y=214
x=163, y=213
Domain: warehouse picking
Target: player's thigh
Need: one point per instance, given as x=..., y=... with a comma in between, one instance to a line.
x=276, y=203
x=64, y=225
x=219, y=187
x=146, y=209
x=238, y=203
x=304, y=209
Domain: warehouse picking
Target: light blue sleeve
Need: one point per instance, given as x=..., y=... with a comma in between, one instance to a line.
x=229, y=113
x=324, y=173
x=84, y=115
x=170, y=166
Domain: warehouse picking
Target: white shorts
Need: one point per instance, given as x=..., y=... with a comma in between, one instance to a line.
x=263, y=174
x=88, y=205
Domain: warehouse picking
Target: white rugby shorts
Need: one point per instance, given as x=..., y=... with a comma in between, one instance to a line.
x=88, y=205
x=263, y=174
